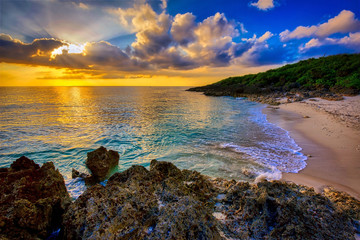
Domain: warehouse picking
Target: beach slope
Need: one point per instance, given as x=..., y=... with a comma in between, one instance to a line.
x=329, y=134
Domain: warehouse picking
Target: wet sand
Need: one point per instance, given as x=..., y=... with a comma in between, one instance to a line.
x=328, y=132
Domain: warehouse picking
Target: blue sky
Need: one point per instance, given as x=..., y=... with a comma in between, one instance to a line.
x=128, y=41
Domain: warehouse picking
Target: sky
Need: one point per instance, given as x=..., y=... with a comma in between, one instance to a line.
x=166, y=42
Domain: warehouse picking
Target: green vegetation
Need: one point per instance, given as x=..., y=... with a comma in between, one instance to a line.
x=337, y=73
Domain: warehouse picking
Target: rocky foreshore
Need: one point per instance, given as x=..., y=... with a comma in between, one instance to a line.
x=165, y=202
x=271, y=97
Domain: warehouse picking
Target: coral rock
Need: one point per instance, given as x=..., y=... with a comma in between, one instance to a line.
x=32, y=200
x=142, y=204
x=277, y=210
x=101, y=162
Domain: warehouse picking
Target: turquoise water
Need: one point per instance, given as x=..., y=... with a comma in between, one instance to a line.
x=218, y=136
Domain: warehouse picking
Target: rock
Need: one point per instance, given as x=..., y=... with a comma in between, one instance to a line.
x=142, y=204
x=23, y=163
x=278, y=210
x=305, y=116
x=332, y=97
x=32, y=200
x=273, y=107
x=164, y=169
x=344, y=202
x=76, y=174
x=101, y=162
x=168, y=203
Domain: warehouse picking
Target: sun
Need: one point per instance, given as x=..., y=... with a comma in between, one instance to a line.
x=69, y=48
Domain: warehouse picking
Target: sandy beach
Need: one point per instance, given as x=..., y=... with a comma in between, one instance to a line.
x=328, y=132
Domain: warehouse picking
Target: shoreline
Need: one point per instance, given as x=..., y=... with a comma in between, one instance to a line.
x=331, y=143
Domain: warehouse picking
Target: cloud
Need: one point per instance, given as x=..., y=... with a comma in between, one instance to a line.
x=136, y=18
x=265, y=37
x=153, y=38
x=212, y=41
x=182, y=29
x=164, y=4
x=71, y=21
x=39, y=51
x=345, y=22
x=264, y=4
x=256, y=51
x=161, y=42
x=352, y=42
x=157, y=5
x=95, y=55
x=100, y=56
x=179, y=42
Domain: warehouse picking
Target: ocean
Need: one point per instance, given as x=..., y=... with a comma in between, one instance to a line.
x=218, y=136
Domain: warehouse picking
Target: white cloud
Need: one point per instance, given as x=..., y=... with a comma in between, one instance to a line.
x=264, y=4
x=345, y=22
x=352, y=41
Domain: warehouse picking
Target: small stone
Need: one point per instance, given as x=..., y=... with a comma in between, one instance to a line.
x=76, y=174
x=305, y=116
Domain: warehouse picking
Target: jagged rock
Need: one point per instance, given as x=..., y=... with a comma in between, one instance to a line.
x=32, y=200
x=169, y=203
x=277, y=210
x=343, y=202
x=162, y=203
x=23, y=163
x=101, y=162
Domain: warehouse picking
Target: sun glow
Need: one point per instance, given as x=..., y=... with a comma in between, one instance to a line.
x=70, y=48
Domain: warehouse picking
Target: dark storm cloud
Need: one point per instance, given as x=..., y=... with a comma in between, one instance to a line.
x=97, y=55
x=38, y=51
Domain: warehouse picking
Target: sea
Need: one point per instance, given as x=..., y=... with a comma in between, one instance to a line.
x=218, y=136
